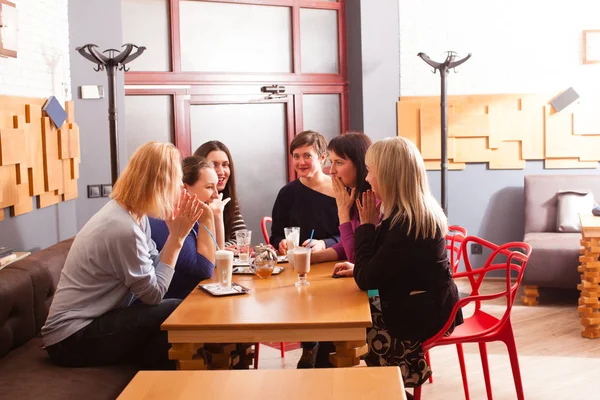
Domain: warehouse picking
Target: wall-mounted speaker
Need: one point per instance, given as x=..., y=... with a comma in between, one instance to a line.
x=564, y=99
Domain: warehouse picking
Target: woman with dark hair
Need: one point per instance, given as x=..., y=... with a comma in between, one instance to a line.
x=219, y=155
x=197, y=257
x=308, y=201
x=348, y=172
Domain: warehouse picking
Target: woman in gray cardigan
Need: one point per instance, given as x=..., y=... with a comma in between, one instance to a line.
x=113, y=261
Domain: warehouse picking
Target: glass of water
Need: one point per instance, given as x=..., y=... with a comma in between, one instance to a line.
x=243, y=238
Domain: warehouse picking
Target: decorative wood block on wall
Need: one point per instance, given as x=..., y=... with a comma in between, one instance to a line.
x=503, y=130
x=36, y=159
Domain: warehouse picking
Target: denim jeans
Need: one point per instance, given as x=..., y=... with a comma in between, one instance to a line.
x=129, y=335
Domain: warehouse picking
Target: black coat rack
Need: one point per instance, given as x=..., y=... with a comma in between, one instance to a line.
x=444, y=67
x=116, y=60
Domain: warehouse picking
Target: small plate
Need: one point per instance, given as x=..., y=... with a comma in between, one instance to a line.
x=215, y=289
x=282, y=259
x=248, y=270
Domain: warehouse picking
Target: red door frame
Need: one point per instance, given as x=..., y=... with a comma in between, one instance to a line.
x=296, y=82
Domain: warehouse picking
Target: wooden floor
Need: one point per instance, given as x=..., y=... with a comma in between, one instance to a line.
x=556, y=362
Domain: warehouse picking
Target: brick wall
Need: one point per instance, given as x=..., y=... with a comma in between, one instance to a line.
x=42, y=66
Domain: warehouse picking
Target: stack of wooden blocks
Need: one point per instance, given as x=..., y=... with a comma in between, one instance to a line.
x=347, y=354
x=589, y=305
x=214, y=356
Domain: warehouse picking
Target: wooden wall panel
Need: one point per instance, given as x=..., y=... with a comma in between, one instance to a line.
x=52, y=164
x=471, y=150
x=36, y=159
x=507, y=156
x=33, y=117
x=8, y=182
x=504, y=130
x=411, y=115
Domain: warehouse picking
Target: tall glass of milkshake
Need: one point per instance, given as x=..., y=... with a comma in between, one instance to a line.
x=302, y=265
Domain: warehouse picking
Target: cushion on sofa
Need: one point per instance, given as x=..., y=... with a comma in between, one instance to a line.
x=28, y=373
x=541, y=198
x=554, y=259
x=44, y=268
x=571, y=203
x=17, y=322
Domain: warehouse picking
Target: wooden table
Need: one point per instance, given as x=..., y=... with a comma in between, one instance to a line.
x=589, y=306
x=275, y=310
x=301, y=384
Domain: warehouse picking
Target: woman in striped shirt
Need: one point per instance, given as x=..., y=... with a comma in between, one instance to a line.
x=218, y=154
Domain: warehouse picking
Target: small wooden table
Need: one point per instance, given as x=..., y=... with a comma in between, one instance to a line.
x=275, y=310
x=589, y=306
x=301, y=384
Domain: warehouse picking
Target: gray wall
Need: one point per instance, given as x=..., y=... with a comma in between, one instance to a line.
x=488, y=203
x=98, y=22
x=373, y=66
x=39, y=228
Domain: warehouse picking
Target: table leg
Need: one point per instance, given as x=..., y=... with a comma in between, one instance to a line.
x=589, y=306
x=219, y=355
x=245, y=355
x=347, y=354
x=530, y=298
x=189, y=356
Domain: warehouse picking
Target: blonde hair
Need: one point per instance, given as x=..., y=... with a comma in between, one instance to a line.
x=404, y=187
x=151, y=182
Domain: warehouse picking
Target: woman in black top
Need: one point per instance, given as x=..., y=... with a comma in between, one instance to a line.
x=308, y=202
x=404, y=257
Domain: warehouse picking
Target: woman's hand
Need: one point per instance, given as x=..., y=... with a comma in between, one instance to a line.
x=315, y=244
x=218, y=205
x=368, y=211
x=207, y=213
x=343, y=199
x=343, y=269
x=185, y=215
x=283, y=247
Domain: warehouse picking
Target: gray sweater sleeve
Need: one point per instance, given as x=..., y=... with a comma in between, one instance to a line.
x=135, y=267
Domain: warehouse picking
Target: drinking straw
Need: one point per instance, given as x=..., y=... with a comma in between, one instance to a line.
x=310, y=240
x=212, y=237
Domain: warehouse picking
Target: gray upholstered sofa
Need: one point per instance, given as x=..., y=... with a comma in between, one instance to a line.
x=26, y=291
x=555, y=256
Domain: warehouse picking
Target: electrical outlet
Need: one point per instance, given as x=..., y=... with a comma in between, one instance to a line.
x=106, y=190
x=94, y=191
x=476, y=248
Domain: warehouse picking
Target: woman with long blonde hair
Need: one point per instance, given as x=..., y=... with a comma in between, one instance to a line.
x=114, y=261
x=404, y=258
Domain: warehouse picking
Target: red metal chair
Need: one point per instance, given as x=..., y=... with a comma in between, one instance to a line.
x=454, y=238
x=482, y=327
x=263, y=226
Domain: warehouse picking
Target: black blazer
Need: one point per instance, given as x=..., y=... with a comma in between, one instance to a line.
x=395, y=263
